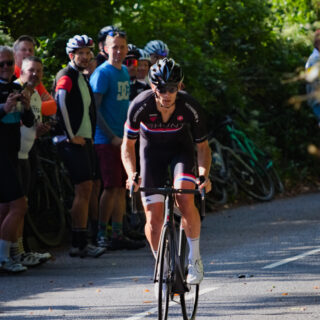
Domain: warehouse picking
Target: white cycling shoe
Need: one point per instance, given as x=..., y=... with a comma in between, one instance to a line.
x=195, y=272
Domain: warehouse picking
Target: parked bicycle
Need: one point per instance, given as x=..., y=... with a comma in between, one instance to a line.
x=240, y=141
x=237, y=166
x=172, y=260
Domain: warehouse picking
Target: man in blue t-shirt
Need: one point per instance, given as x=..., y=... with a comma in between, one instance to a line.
x=110, y=83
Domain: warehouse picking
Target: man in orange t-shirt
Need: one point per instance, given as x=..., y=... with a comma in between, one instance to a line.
x=24, y=47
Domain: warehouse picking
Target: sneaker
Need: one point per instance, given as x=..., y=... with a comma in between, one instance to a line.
x=10, y=266
x=195, y=272
x=123, y=242
x=43, y=256
x=88, y=251
x=102, y=242
x=27, y=259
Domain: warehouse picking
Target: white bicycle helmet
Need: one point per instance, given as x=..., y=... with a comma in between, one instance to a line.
x=144, y=55
x=78, y=42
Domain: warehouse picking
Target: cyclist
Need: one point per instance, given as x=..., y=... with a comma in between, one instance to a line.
x=14, y=108
x=77, y=116
x=144, y=63
x=169, y=122
x=157, y=49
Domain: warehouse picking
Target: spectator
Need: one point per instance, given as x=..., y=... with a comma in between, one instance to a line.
x=144, y=64
x=30, y=76
x=131, y=62
x=157, y=50
x=102, y=56
x=24, y=47
x=110, y=84
x=77, y=116
x=14, y=107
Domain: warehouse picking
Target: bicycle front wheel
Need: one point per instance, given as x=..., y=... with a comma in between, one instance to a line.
x=163, y=273
x=189, y=299
x=251, y=176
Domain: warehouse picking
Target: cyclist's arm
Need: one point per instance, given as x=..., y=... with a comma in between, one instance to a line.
x=204, y=162
x=128, y=156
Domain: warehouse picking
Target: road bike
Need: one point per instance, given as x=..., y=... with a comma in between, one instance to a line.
x=171, y=265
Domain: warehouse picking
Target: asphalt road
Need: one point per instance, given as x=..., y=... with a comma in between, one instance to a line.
x=261, y=262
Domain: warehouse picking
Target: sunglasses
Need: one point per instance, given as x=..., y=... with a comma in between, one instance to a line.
x=9, y=63
x=117, y=33
x=131, y=62
x=170, y=89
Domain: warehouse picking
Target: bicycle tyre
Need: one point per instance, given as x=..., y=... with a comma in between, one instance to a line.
x=189, y=300
x=251, y=177
x=45, y=215
x=278, y=185
x=165, y=254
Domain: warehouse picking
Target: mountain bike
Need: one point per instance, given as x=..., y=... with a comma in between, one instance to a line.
x=237, y=166
x=171, y=265
x=240, y=141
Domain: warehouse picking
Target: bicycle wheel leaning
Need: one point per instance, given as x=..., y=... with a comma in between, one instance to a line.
x=251, y=176
x=189, y=299
x=45, y=215
x=163, y=273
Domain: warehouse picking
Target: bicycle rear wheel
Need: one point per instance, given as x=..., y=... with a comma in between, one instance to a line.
x=278, y=185
x=251, y=176
x=163, y=273
x=189, y=299
x=45, y=214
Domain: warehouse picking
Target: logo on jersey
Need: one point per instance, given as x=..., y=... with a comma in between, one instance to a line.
x=153, y=117
x=180, y=118
x=123, y=90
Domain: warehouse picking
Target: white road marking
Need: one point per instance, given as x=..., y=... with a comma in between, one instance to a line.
x=154, y=310
x=284, y=261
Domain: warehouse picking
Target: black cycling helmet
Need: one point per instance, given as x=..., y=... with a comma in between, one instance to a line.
x=133, y=52
x=78, y=42
x=105, y=31
x=157, y=47
x=165, y=72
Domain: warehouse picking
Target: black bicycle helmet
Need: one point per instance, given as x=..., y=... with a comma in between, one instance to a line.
x=157, y=47
x=105, y=31
x=78, y=42
x=164, y=72
x=133, y=52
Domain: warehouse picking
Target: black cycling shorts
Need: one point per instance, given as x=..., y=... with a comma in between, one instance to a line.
x=156, y=163
x=10, y=186
x=80, y=161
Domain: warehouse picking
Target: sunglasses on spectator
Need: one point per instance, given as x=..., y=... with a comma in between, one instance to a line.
x=9, y=63
x=131, y=62
x=170, y=89
x=117, y=33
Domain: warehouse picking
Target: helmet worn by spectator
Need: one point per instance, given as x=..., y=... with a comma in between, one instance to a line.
x=165, y=72
x=144, y=55
x=157, y=47
x=78, y=42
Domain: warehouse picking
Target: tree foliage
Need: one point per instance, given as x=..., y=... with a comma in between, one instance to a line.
x=235, y=54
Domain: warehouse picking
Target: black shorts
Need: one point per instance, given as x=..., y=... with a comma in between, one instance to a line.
x=10, y=186
x=81, y=161
x=156, y=163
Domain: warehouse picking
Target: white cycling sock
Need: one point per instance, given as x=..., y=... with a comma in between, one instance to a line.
x=4, y=249
x=194, y=249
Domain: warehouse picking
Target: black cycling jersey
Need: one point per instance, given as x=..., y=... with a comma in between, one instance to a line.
x=164, y=144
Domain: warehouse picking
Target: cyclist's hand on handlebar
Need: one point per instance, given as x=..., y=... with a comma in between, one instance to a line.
x=204, y=183
x=133, y=183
